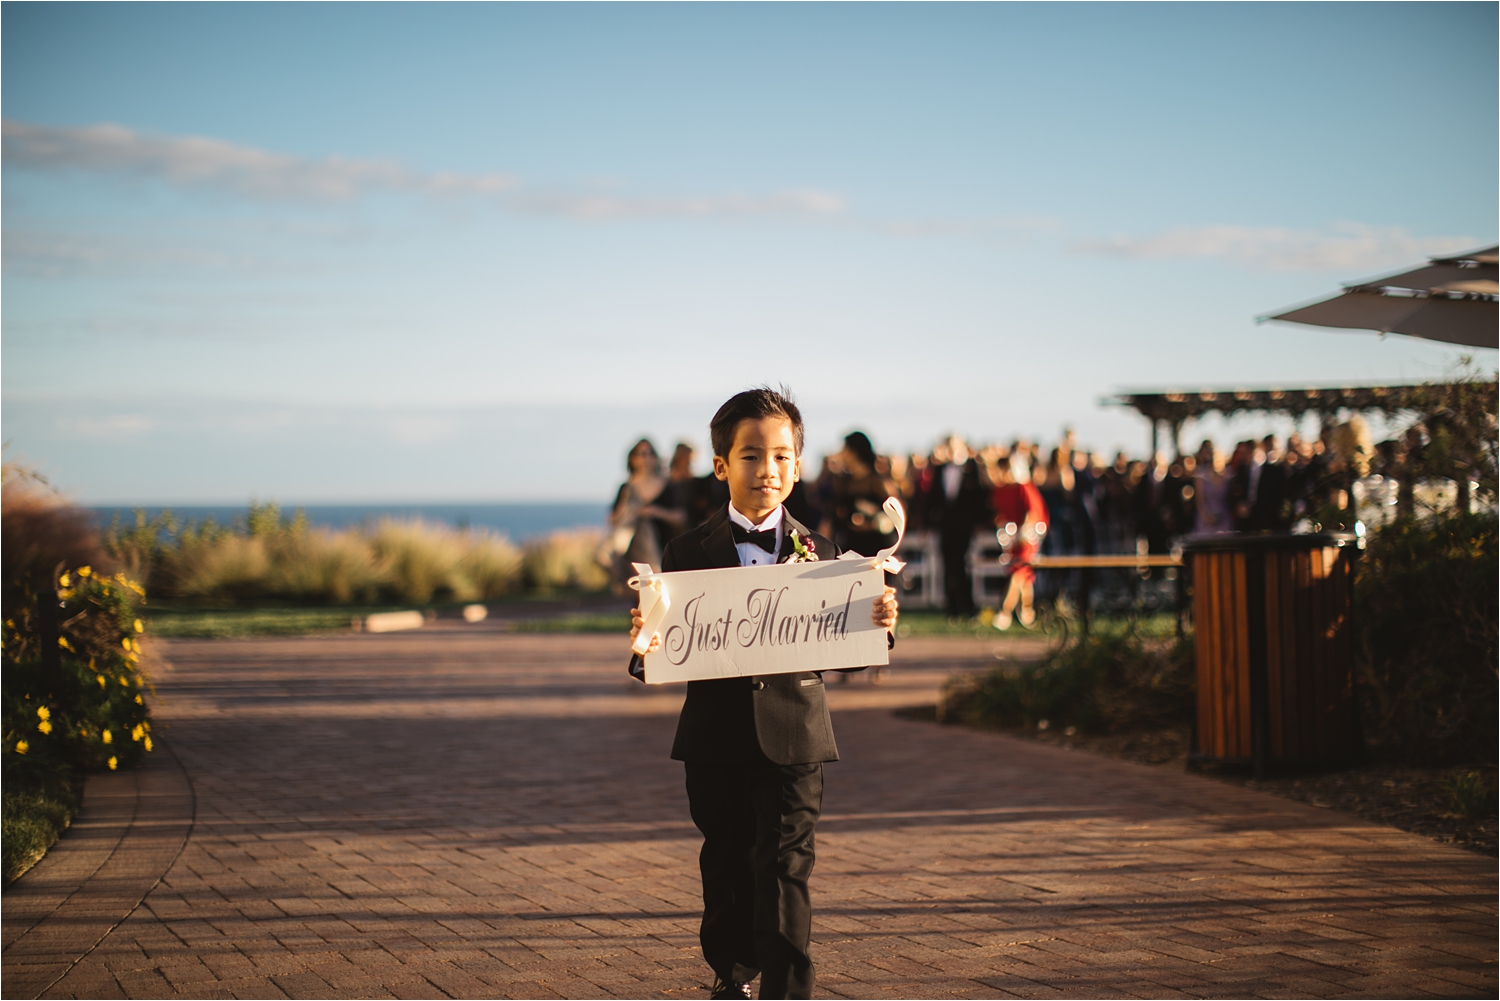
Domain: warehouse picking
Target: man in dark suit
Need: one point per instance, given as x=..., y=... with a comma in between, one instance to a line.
x=1258, y=492
x=956, y=505
x=753, y=748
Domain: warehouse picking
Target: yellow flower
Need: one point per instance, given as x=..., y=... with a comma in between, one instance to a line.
x=125, y=642
x=148, y=743
x=124, y=682
x=139, y=627
x=147, y=726
x=43, y=712
x=138, y=701
x=137, y=733
x=44, y=726
x=85, y=571
x=65, y=580
x=22, y=747
x=100, y=678
x=62, y=641
x=113, y=762
x=65, y=593
x=109, y=738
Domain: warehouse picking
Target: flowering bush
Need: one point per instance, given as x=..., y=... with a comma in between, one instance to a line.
x=82, y=707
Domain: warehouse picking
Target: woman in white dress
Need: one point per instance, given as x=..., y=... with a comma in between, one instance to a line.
x=633, y=536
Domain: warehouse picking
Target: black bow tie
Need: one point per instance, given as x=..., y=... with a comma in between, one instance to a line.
x=765, y=540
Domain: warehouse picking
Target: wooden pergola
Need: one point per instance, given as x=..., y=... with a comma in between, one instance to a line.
x=1176, y=407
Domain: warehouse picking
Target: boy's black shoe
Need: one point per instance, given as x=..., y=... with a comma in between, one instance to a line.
x=723, y=989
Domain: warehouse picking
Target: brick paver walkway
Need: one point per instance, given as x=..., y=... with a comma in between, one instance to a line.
x=465, y=812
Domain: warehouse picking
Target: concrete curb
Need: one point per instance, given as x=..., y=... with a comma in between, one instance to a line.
x=129, y=831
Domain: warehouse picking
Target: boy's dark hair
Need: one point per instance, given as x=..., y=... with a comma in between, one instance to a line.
x=753, y=405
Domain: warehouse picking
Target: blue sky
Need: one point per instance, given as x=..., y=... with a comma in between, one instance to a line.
x=390, y=252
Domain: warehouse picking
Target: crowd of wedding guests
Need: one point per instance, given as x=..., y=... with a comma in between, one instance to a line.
x=1059, y=501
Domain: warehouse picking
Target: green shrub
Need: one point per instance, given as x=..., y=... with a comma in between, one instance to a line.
x=1425, y=614
x=1471, y=795
x=1104, y=682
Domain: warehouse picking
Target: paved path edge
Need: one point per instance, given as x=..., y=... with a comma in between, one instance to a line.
x=130, y=829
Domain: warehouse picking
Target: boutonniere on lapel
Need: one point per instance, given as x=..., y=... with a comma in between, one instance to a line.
x=802, y=552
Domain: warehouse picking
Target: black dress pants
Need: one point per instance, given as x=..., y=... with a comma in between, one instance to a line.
x=757, y=819
x=958, y=587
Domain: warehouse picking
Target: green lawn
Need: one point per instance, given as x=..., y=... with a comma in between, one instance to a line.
x=229, y=623
x=232, y=623
x=33, y=818
x=608, y=622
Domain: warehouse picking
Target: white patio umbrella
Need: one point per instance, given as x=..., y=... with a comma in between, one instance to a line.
x=1450, y=299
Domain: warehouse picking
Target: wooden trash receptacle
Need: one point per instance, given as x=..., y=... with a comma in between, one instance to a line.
x=1274, y=645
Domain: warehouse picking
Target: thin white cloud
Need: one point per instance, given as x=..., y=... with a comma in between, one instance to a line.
x=196, y=162
x=109, y=426
x=193, y=161
x=1011, y=228
x=40, y=254
x=1346, y=247
x=422, y=429
x=599, y=207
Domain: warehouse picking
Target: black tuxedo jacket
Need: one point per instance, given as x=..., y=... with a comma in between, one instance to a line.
x=785, y=716
x=957, y=518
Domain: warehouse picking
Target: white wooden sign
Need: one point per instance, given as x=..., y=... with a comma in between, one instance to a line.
x=778, y=619
x=768, y=620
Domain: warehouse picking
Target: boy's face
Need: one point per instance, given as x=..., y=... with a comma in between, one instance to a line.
x=761, y=466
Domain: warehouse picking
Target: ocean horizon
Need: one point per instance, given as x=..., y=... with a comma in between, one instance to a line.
x=518, y=520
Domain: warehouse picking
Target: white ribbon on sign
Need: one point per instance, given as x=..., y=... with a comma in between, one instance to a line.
x=655, y=603
x=886, y=559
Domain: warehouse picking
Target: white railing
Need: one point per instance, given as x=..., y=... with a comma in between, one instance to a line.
x=922, y=580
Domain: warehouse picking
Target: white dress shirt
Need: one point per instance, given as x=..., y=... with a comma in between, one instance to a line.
x=752, y=555
x=953, y=478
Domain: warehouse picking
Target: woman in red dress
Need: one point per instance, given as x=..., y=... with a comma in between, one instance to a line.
x=1021, y=521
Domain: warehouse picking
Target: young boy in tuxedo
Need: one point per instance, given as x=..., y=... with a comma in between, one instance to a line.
x=754, y=748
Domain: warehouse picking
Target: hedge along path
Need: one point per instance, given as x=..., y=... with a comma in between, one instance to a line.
x=130, y=828
x=468, y=813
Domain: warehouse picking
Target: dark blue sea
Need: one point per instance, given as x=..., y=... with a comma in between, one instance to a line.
x=519, y=521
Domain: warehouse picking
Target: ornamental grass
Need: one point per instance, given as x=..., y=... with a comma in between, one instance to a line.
x=269, y=556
